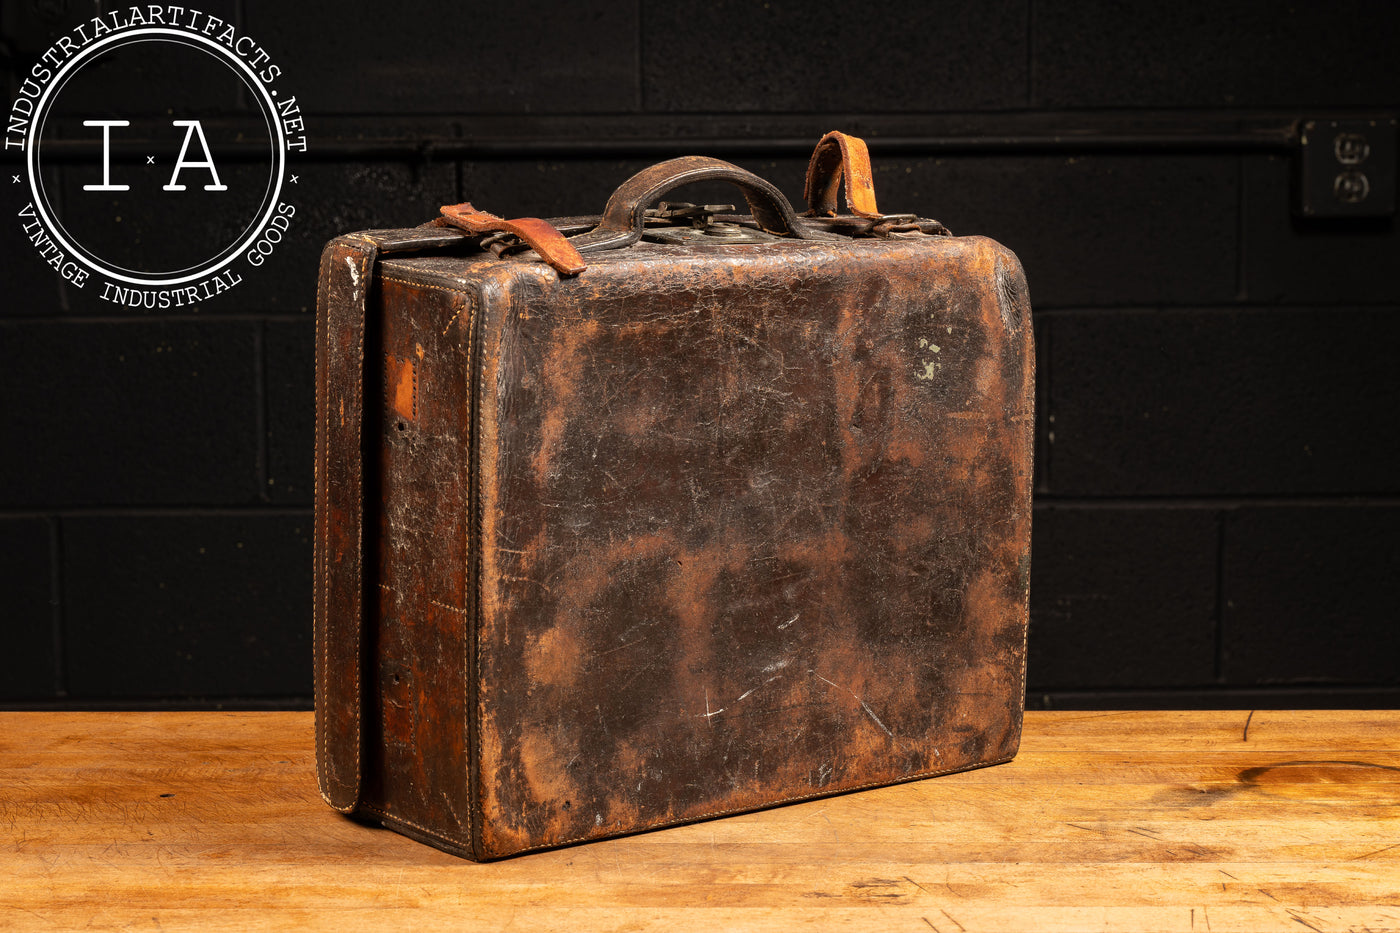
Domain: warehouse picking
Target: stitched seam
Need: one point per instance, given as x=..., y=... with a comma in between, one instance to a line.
x=782, y=800
x=357, y=615
x=422, y=829
x=318, y=638
x=461, y=306
x=475, y=789
x=1027, y=503
x=454, y=289
x=1026, y=597
x=472, y=623
x=440, y=288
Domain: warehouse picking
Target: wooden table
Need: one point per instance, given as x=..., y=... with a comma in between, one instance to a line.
x=1106, y=821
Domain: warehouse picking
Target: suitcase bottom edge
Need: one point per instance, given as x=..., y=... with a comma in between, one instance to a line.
x=463, y=849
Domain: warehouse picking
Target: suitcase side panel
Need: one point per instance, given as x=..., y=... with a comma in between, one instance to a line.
x=755, y=527
x=346, y=441
x=417, y=741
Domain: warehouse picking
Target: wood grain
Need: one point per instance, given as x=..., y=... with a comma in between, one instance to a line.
x=1159, y=821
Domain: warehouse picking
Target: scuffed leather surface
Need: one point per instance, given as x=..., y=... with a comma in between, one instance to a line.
x=755, y=527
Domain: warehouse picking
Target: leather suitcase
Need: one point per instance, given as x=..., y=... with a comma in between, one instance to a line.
x=640, y=519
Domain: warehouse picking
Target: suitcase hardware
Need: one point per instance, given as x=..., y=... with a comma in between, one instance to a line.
x=667, y=223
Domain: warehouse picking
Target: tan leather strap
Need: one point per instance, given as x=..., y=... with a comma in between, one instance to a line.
x=538, y=234
x=840, y=156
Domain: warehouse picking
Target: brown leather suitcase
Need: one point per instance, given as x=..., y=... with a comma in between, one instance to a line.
x=630, y=521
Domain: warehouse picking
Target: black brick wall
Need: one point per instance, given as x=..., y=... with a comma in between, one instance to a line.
x=1218, y=501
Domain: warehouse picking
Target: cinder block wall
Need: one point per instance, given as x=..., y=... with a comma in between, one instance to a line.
x=1217, y=520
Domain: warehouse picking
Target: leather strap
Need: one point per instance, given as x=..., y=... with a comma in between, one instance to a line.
x=840, y=156
x=347, y=265
x=538, y=234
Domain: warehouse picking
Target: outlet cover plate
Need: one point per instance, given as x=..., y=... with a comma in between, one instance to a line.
x=1347, y=168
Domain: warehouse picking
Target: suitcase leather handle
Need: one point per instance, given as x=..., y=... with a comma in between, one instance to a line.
x=624, y=215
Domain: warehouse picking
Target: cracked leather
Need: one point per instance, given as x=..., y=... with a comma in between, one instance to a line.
x=703, y=529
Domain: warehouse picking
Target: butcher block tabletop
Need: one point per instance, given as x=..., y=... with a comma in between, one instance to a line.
x=1118, y=821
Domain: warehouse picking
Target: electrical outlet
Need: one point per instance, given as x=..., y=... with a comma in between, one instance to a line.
x=1347, y=168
